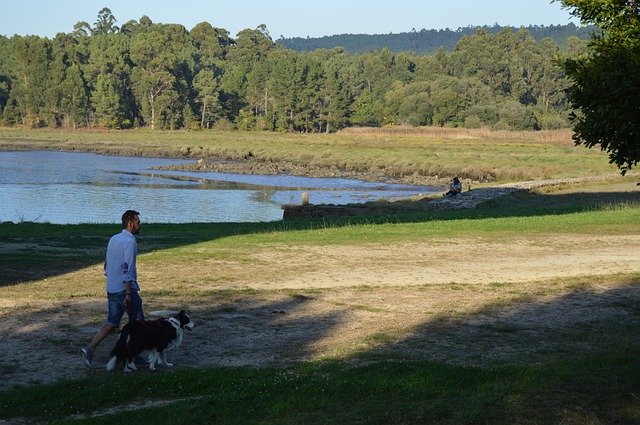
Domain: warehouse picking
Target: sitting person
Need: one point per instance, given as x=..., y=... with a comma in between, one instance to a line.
x=455, y=187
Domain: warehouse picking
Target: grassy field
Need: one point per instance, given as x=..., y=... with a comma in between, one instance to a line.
x=478, y=155
x=523, y=310
x=592, y=389
x=554, y=349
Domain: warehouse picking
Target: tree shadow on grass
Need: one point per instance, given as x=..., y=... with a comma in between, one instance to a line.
x=563, y=203
x=246, y=331
x=562, y=359
x=526, y=332
x=569, y=359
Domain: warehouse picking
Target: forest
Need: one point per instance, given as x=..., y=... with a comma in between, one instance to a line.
x=428, y=41
x=156, y=75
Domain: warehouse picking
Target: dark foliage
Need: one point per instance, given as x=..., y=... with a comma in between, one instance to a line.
x=427, y=41
x=606, y=84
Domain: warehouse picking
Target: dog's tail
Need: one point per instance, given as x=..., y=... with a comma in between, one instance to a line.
x=120, y=351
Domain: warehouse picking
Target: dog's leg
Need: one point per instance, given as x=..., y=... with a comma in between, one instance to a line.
x=132, y=366
x=153, y=359
x=164, y=359
x=129, y=365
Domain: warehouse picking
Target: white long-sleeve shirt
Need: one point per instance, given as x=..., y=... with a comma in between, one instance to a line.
x=120, y=265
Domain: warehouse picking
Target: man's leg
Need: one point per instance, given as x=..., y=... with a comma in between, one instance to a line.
x=135, y=309
x=115, y=306
x=103, y=332
x=87, y=352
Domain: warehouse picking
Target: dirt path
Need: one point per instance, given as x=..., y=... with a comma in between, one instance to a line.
x=511, y=303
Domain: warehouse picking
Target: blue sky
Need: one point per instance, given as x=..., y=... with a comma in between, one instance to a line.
x=289, y=18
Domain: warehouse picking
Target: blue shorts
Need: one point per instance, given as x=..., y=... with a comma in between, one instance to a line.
x=117, y=310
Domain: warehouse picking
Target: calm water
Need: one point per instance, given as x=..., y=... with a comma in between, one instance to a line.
x=70, y=188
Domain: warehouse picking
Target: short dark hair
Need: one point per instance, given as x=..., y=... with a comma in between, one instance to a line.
x=129, y=216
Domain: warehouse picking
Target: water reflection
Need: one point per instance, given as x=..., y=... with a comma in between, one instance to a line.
x=64, y=187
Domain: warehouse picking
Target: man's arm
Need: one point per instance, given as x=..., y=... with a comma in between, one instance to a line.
x=127, y=290
x=129, y=263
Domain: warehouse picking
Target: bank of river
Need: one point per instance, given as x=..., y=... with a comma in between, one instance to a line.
x=250, y=165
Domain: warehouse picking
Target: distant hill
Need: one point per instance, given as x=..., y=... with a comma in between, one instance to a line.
x=425, y=41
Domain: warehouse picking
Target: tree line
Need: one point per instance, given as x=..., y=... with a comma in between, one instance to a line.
x=428, y=41
x=145, y=74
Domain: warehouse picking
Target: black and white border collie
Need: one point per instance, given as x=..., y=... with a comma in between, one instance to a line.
x=152, y=338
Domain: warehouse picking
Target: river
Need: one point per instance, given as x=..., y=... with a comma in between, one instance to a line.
x=71, y=188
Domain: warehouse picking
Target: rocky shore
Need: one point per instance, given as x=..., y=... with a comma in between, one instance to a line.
x=251, y=165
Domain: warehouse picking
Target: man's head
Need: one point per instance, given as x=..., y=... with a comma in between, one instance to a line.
x=131, y=221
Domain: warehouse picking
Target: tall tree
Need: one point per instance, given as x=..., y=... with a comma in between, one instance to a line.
x=257, y=91
x=250, y=49
x=81, y=29
x=548, y=83
x=446, y=101
x=335, y=94
x=106, y=22
x=67, y=96
x=208, y=96
x=74, y=103
x=6, y=63
x=212, y=44
x=108, y=76
x=163, y=60
x=31, y=84
x=310, y=77
x=606, y=84
x=283, y=88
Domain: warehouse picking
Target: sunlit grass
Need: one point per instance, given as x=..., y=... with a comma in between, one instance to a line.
x=474, y=154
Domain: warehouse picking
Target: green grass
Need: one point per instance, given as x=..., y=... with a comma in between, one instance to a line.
x=596, y=388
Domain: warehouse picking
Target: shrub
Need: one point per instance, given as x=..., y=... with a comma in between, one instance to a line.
x=472, y=121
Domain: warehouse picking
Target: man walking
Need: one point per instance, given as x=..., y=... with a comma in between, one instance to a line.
x=122, y=281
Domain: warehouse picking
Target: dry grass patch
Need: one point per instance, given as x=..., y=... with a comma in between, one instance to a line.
x=556, y=137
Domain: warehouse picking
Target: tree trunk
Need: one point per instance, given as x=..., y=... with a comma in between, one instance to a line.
x=153, y=112
x=545, y=100
x=291, y=120
x=266, y=97
x=204, y=111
